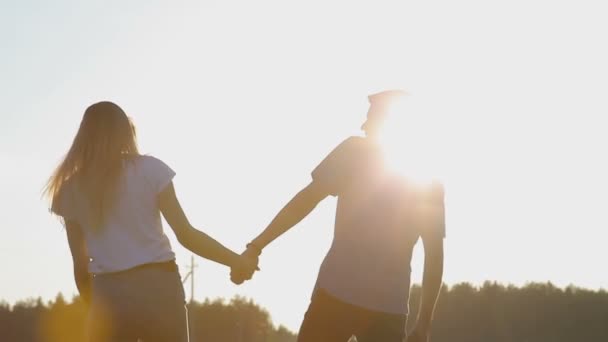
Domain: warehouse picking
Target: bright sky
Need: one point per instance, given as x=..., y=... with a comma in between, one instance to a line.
x=243, y=99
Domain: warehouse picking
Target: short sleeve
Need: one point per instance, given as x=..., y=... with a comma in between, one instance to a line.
x=334, y=171
x=158, y=173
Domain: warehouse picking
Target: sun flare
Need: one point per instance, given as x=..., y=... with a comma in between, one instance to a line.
x=412, y=147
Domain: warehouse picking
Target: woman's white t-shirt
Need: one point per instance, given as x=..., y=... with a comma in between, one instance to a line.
x=132, y=232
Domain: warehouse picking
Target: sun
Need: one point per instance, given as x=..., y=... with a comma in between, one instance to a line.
x=414, y=147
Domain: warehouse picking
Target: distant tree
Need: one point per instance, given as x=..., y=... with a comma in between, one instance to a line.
x=240, y=320
x=537, y=312
x=63, y=321
x=282, y=334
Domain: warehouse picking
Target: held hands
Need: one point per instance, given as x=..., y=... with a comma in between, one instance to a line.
x=246, y=266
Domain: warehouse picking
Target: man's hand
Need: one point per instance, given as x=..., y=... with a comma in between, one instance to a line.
x=247, y=266
x=418, y=335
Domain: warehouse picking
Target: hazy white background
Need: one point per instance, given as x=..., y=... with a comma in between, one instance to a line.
x=243, y=99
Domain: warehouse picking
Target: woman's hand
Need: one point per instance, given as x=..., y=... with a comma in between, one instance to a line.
x=83, y=283
x=80, y=259
x=245, y=267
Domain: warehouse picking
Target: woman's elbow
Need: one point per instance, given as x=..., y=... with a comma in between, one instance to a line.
x=184, y=234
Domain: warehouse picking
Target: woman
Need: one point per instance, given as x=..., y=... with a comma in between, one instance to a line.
x=110, y=199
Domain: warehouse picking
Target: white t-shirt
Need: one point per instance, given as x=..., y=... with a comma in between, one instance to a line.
x=377, y=224
x=132, y=233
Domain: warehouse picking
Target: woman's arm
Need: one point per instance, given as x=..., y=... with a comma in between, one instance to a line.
x=195, y=240
x=80, y=259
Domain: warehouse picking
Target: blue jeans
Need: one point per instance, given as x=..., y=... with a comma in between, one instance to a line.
x=146, y=303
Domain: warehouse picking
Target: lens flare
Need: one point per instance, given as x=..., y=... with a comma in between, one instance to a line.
x=412, y=146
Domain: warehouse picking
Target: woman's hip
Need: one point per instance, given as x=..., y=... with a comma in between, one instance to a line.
x=148, y=299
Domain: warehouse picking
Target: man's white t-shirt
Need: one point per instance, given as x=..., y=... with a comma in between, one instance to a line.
x=378, y=221
x=132, y=233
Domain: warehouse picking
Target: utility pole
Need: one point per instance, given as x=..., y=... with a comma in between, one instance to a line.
x=190, y=275
x=192, y=266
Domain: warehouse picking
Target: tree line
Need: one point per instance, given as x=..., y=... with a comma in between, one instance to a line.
x=537, y=312
x=239, y=320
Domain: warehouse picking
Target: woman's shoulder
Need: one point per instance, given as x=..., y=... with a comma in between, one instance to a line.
x=146, y=160
x=149, y=164
x=146, y=163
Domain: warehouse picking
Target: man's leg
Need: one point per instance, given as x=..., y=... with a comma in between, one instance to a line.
x=327, y=320
x=384, y=327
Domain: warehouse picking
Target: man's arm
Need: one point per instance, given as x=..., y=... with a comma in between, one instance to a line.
x=293, y=212
x=431, y=282
x=432, y=224
x=329, y=177
x=80, y=259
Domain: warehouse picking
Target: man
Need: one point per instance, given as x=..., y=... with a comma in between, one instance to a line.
x=363, y=284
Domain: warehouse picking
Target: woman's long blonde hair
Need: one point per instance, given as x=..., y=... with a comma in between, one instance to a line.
x=94, y=162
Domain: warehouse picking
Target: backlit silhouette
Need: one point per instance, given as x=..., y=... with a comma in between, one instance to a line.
x=363, y=284
x=111, y=198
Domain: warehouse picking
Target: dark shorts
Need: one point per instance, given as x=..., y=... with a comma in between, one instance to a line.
x=329, y=319
x=145, y=303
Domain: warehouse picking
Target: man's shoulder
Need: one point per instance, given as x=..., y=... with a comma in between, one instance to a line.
x=354, y=139
x=350, y=144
